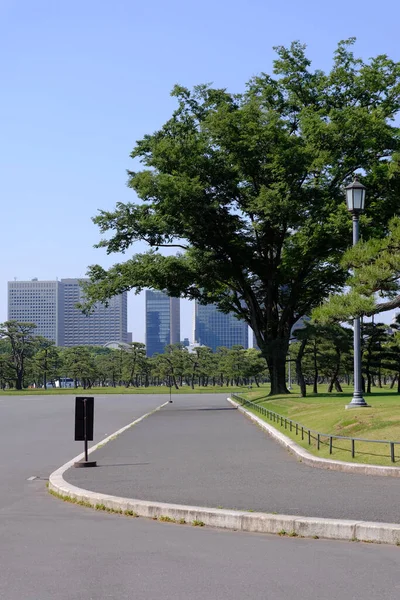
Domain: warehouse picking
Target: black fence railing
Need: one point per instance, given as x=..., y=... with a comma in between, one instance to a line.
x=321, y=439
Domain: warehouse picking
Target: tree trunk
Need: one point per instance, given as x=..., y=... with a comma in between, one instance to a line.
x=369, y=381
x=379, y=379
x=18, y=381
x=338, y=387
x=335, y=375
x=299, y=370
x=316, y=374
x=393, y=382
x=276, y=361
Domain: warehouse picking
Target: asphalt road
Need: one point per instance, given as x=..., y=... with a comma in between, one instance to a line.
x=50, y=550
x=200, y=451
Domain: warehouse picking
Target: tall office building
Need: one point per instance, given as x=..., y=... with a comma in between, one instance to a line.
x=162, y=321
x=39, y=302
x=103, y=325
x=213, y=328
x=51, y=306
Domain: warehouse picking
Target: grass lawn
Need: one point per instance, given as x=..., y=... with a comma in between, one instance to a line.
x=124, y=390
x=326, y=413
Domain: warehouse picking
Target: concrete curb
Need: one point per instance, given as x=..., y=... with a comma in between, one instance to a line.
x=291, y=525
x=55, y=476
x=315, y=461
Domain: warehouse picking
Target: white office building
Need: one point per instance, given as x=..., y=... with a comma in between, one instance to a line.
x=51, y=305
x=39, y=302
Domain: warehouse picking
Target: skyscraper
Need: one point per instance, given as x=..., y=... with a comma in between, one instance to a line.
x=162, y=321
x=213, y=328
x=104, y=324
x=39, y=302
x=51, y=305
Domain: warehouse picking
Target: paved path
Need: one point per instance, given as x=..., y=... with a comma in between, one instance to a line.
x=202, y=452
x=50, y=550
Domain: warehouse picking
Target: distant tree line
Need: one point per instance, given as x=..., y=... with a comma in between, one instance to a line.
x=27, y=359
x=319, y=355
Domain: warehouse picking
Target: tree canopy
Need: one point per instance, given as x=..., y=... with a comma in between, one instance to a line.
x=374, y=286
x=248, y=190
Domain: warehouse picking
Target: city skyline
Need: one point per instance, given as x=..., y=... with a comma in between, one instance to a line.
x=136, y=305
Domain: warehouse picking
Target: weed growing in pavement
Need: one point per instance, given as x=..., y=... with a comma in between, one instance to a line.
x=166, y=519
x=130, y=513
x=70, y=500
x=293, y=534
x=182, y=522
x=197, y=523
x=282, y=532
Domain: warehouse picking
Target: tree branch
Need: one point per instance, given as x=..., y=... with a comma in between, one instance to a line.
x=384, y=306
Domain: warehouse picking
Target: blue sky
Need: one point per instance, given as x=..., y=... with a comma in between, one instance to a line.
x=81, y=81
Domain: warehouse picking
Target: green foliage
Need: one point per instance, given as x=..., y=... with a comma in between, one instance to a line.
x=376, y=274
x=44, y=365
x=248, y=190
x=80, y=364
x=20, y=340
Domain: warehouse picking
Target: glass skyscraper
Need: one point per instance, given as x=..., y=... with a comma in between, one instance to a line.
x=213, y=328
x=162, y=321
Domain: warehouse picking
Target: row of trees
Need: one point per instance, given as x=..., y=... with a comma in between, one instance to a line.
x=324, y=352
x=28, y=359
x=318, y=354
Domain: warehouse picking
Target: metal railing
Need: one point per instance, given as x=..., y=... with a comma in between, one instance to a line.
x=319, y=437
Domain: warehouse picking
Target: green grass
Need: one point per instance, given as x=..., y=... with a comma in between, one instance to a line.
x=326, y=413
x=124, y=390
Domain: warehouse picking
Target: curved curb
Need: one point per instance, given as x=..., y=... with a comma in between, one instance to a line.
x=315, y=461
x=56, y=478
x=291, y=525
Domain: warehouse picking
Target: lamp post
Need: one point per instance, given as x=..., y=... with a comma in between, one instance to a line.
x=355, y=198
x=289, y=371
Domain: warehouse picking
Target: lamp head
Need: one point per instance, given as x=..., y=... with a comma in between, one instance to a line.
x=355, y=196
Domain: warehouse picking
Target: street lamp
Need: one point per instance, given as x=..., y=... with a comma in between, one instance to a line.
x=355, y=198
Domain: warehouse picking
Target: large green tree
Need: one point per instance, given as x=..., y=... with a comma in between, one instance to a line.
x=22, y=343
x=248, y=188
